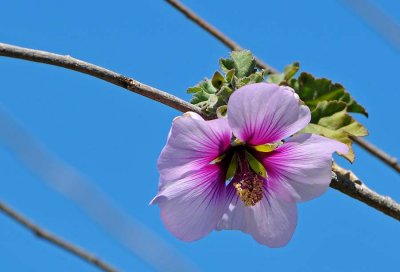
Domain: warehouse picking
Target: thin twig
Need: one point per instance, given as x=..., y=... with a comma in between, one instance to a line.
x=348, y=183
x=68, y=181
x=52, y=239
x=216, y=33
x=378, y=19
x=96, y=71
x=391, y=161
x=375, y=151
x=372, y=198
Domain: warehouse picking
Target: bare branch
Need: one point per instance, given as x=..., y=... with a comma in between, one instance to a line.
x=347, y=183
x=375, y=151
x=216, y=33
x=68, y=181
x=391, y=161
x=52, y=239
x=96, y=71
x=176, y=103
x=378, y=19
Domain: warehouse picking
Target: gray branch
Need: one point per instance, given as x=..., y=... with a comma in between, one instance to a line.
x=51, y=238
x=96, y=71
x=348, y=183
x=345, y=182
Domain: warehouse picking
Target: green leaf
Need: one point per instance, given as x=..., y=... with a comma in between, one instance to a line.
x=204, y=96
x=201, y=92
x=225, y=93
x=227, y=65
x=242, y=62
x=238, y=70
x=343, y=122
x=331, y=120
x=339, y=136
x=255, y=165
x=232, y=168
x=330, y=105
x=253, y=78
x=207, y=86
x=199, y=97
x=326, y=108
x=291, y=70
x=229, y=75
x=314, y=90
x=194, y=89
x=283, y=78
x=276, y=78
x=217, y=80
x=214, y=102
x=222, y=111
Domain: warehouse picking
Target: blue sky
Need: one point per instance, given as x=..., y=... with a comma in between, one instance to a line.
x=114, y=137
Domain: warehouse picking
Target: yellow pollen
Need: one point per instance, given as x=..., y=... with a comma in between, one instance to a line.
x=250, y=190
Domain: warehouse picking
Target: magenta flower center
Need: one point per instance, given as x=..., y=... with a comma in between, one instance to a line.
x=245, y=172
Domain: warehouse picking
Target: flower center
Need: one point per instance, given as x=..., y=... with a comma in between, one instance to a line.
x=243, y=169
x=249, y=188
x=248, y=178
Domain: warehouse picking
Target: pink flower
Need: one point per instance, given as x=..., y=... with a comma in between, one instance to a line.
x=244, y=172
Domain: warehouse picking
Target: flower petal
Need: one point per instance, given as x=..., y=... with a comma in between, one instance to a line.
x=192, y=143
x=303, y=163
x=192, y=206
x=271, y=221
x=265, y=113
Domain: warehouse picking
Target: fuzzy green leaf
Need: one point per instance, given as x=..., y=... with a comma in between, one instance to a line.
x=199, y=97
x=343, y=122
x=230, y=75
x=276, y=78
x=330, y=119
x=291, y=70
x=222, y=111
x=194, y=89
x=225, y=93
x=253, y=78
x=207, y=86
x=283, y=78
x=314, y=90
x=326, y=108
x=217, y=80
x=242, y=62
x=339, y=136
x=214, y=102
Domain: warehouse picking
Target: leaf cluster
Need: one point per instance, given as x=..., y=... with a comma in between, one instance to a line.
x=212, y=95
x=330, y=103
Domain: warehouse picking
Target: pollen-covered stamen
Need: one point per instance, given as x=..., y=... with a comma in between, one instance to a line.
x=249, y=189
x=249, y=179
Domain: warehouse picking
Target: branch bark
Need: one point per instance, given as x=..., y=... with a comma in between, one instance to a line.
x=375, y=151
x=217, y=33
x=96, y=71
x=348, y=183
x=73, y=185
x=51, y=238
x=344, y=183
